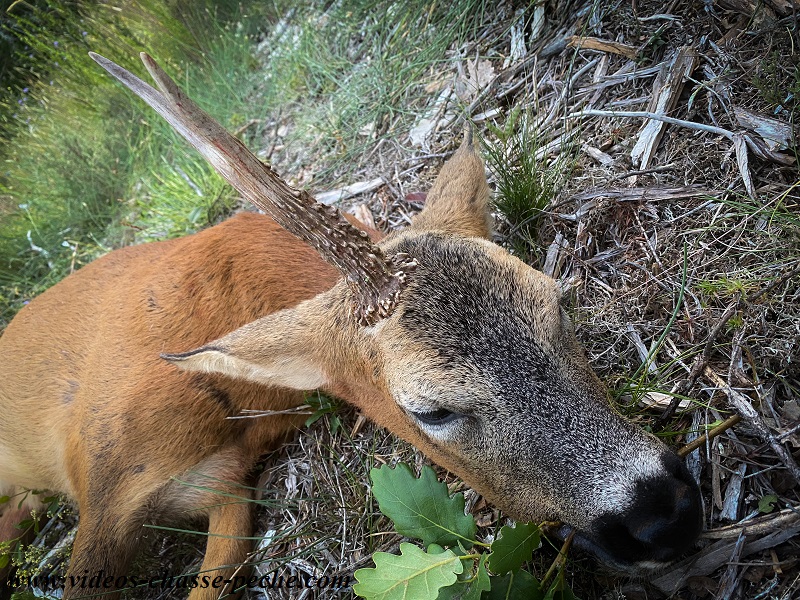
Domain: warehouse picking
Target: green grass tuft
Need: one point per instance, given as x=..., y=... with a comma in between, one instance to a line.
x=527, y=181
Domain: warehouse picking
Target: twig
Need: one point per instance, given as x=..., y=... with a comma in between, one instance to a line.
x=245, y=127
x=709, y=435
x=730, y=579
x=755, y=527
x=745, y=408
x=249, y=413
x=654, y=116
x=562, y=556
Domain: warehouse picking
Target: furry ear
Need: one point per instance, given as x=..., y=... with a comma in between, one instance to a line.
x=277, y=350
x=459, y=199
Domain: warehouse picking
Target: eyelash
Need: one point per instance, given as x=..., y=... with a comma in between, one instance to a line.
x=436, y=417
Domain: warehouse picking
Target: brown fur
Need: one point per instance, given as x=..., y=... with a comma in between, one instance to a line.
x=88, y=408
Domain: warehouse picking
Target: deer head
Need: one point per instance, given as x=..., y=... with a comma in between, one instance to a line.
x=455, y=345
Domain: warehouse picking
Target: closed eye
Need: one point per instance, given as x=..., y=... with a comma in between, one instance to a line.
x=441, y=416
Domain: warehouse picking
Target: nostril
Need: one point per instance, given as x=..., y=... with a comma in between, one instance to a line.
x=667, y=516
x=661, y=524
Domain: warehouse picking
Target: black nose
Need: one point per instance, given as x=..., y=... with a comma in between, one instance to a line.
x=661, y=524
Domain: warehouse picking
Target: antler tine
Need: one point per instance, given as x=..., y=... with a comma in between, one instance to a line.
x=375, y=280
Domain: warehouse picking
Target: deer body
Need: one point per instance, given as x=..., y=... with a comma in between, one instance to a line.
x=114, y=443
x=457, y=346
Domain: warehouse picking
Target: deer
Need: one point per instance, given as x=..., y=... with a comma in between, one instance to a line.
x=118, y=383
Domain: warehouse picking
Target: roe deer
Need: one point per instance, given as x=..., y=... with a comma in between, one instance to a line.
x=116, y=384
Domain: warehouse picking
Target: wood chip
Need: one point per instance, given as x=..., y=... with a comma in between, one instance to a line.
x=733, y=494
x=777, y=134
x=555, y=256
x=660, y=401
x=598, y=155
x=593, y=43
x=666, y=92
x=349, y=191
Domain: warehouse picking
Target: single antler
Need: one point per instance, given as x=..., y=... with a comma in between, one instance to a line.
x=375, y=280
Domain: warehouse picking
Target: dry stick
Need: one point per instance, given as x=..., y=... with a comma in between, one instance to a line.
x=562, y=556
x=709, y=435
x=756, y=527
x=655, y=116
x=745, y=408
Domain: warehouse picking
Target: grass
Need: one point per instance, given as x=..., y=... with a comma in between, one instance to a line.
x=527, y=180
x=86, y=167
x=346, y=86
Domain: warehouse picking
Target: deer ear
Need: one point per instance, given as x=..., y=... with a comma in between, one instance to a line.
x=276, y=350
x=459, y=199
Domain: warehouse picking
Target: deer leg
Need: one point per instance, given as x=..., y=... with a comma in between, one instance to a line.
x=223, y=568
x=101, y=555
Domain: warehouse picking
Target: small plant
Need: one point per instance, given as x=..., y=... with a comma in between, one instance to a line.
x=452, y=563
x=324, y=405
x=13, y=550
x=526, y=180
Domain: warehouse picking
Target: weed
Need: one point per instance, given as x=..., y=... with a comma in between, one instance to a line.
x=526, y=180
x=778, y=86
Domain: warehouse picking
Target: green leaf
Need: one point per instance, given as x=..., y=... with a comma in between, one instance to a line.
x=560, y=594
x=4, y=499
x=414, y=575
x=468, y=586
x=559, y=590
x=767, y=503
x=513, y=547
x=515, y=585
x=322, y=406
x=452, y=592
x=4, y=560
x=481, y=584
x=24, y=524
x=422, y=508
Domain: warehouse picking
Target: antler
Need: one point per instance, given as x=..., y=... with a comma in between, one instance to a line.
x=375, y=280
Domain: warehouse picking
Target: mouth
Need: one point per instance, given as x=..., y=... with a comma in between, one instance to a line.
x=586, y=543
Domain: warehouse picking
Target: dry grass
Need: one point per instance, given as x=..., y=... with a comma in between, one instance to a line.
x=625, y=249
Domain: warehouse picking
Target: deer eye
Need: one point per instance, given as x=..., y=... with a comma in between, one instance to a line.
x=436, y=417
